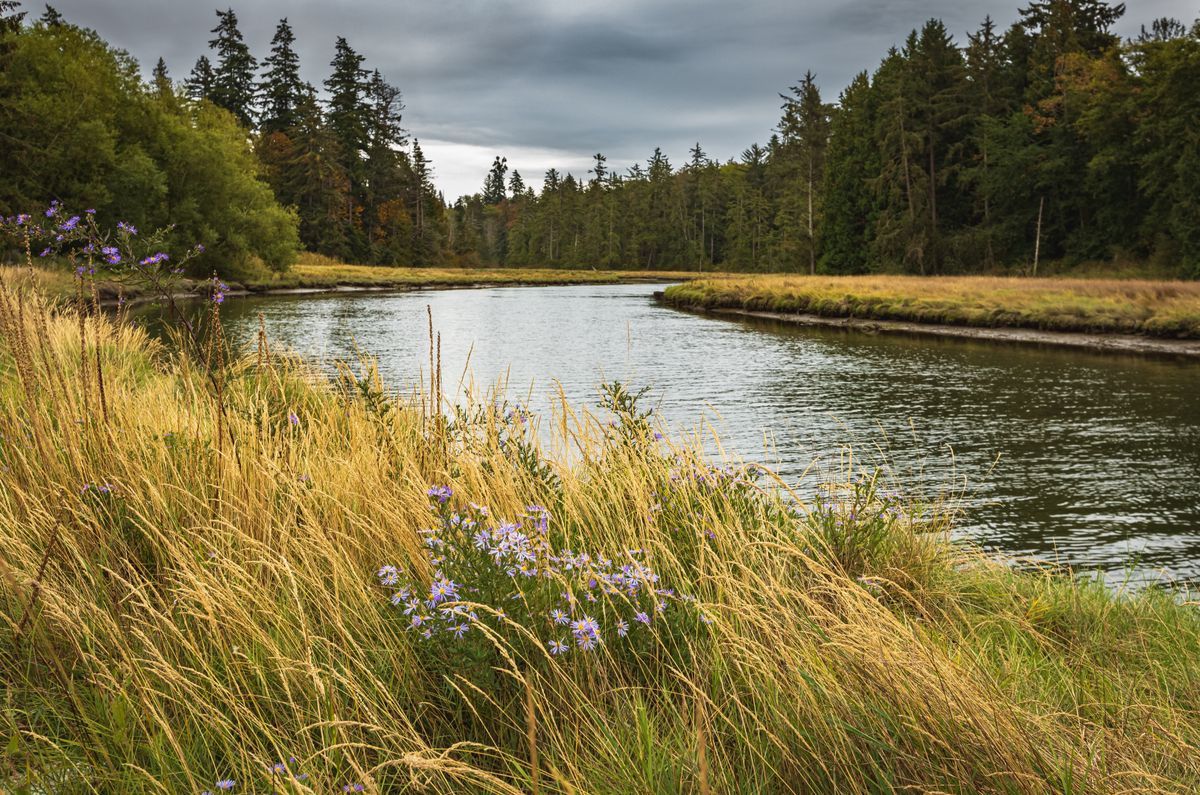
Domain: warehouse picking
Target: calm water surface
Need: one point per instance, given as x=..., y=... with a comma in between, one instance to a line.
x=1089, y=459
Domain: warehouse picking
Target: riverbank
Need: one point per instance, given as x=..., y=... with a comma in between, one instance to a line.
x=317, y=274
x=1161, y=309
x=1109, y=343
x=220, y=574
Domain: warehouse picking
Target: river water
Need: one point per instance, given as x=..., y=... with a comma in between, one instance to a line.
x=1087, y=459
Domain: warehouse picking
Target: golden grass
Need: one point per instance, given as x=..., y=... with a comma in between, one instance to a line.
x=1160, y=308
x=217, y=612
x=317, y=272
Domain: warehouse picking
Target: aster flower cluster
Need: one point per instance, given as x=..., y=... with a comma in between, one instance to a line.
x=123, y=253
x=512, y=572
x=217, y=290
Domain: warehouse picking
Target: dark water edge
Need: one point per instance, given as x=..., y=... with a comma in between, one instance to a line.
x=1088, y=459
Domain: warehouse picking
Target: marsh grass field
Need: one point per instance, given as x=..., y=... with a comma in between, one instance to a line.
x=1124, y=306
x=222, y=569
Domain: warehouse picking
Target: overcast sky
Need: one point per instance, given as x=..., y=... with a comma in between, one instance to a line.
x=550, y=82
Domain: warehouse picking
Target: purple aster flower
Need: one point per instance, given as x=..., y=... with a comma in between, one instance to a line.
x=226, y=784
x=69, y=224
x=440, y=493
x=642, y=617
x=622, y=628
x=586, y=642
x=293, y=419
x=461, y=630
x=128, y=229
x=45, y=252
x=22, y=218
x=52, y=210
x=352, y=787
x=559, y=617
x=557, y=648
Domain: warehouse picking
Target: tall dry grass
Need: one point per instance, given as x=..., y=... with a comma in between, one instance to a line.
x=183, y=605
x=1160, y=308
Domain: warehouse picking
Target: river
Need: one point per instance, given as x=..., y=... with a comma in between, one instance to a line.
x=1087, y=459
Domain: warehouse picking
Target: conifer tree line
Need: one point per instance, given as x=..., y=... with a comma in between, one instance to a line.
x=1049, y=140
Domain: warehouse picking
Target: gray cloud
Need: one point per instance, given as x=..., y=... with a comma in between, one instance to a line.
x=574, y=77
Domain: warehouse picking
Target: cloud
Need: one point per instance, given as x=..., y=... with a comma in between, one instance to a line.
x=541, y=79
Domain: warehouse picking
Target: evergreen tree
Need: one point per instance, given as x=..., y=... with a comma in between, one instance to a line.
x=493, y=186
x=233, y=84
x=52, y=17
x=10, y=17
x=346, y=113
x=516, y=185
x=852, y=162
x=161, y=80
x=281, y=88
x=199, y=84
x=804, y=137
x=940, y=102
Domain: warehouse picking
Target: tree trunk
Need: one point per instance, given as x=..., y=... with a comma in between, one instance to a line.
x=1037, y=240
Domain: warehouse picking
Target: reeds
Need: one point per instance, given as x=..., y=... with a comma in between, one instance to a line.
x=155, y=639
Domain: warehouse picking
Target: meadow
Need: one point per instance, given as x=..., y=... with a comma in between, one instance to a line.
x=1127, y=306
x=226, y=571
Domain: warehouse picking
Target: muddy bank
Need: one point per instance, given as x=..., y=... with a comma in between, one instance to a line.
x=1112, y=343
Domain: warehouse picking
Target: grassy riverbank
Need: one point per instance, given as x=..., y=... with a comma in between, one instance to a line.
x=314, y=272
x=198, y=586
x=1159, y=308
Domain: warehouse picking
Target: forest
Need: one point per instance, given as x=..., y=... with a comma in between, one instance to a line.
x=1051, y=140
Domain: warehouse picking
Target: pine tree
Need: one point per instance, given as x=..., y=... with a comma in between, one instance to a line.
x=386, y=174
x=427, y=209
x=940, y=102
x=281, y=88
x=199, y=84
x=10, y=18
x=493, y=186
x=852, y=162
x=52, y=18
x=346, y=114
x=516, y=185
x=233, y=85
x=804, y=138
x=161, y=80
x=989, y=103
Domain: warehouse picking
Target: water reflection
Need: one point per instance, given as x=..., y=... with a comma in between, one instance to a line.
x=1086, y=458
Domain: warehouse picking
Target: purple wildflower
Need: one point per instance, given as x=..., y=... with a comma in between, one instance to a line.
x=557, y=647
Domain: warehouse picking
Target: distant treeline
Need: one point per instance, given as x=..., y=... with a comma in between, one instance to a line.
x=1052, y=139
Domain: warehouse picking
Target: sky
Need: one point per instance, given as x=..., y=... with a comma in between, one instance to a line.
x=548, y=83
